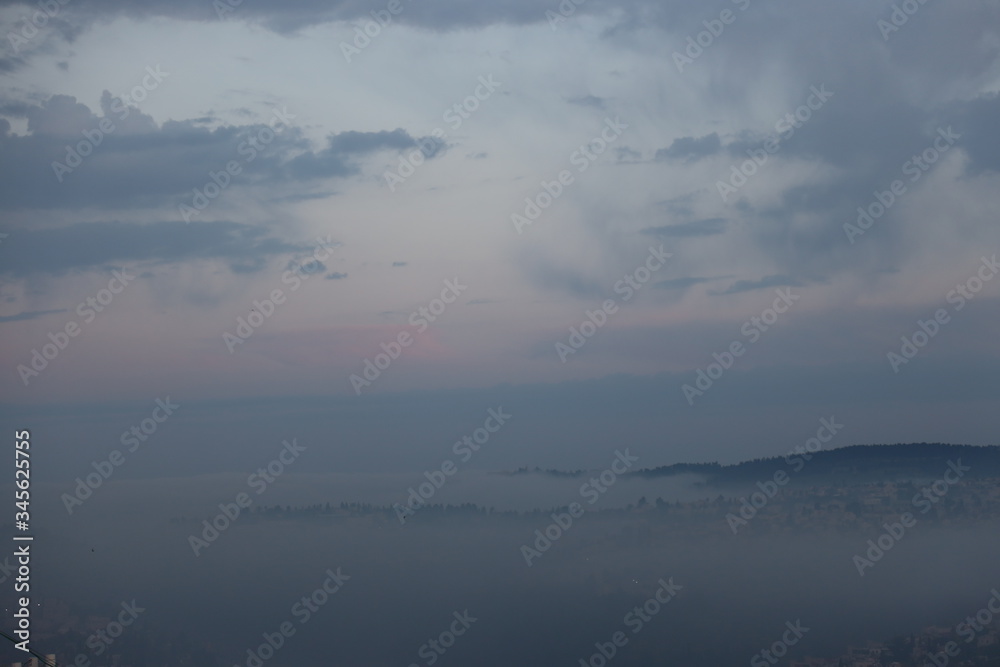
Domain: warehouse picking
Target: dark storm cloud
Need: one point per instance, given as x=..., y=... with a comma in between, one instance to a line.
x=137, y=162
x=691, y=149
x=708, y=227
x=94, y=245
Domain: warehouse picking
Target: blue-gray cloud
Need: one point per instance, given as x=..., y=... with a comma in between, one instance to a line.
x=588, y=101
x=94, y=245
x=139, y=163
x=766, y=281
x=680, y=283
x=690, y=149
x=338, y=158
x=707, y=227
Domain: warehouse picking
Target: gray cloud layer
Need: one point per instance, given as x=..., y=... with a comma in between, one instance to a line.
x=92, y=245
x=138, y=163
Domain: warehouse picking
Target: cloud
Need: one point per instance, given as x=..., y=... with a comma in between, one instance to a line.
x=398, y=264
x=708, y=227
x=306, y=265
x=336, y=158
x=589, y=101
x=95, y=245
x=335, y=276
x=766, y=281
x=690, y=149
x=977, y=118
x=564, y=278
x=30, y=315
x=139, y=163
x=626, y=155
x=294, y=15
x=303, y=196
x=10, y=63
x=249, y=265
x=680, y=283
x=367, y=142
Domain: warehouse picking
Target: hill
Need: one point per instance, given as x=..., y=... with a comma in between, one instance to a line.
x=853, y=464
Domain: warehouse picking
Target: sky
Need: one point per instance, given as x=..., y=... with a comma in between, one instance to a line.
x=695, y=227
